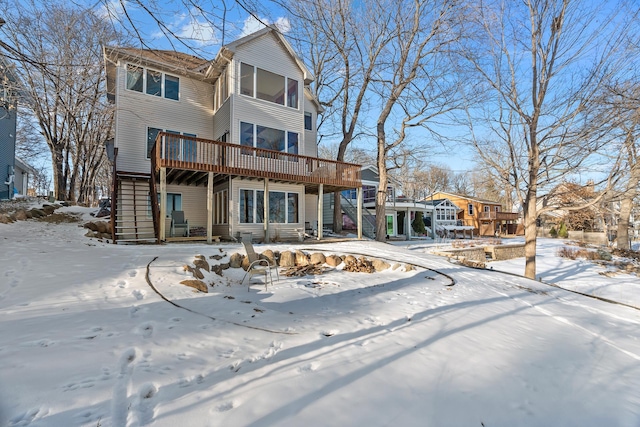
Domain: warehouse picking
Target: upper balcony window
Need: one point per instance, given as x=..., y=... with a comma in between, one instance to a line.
x=271, y=139
x=268, y=86
x=152, y=82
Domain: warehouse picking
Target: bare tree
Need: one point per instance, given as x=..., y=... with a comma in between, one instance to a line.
x=58, y=52
x=625, y=99
x=344, y=50
x=414, y=87
x=541, y=62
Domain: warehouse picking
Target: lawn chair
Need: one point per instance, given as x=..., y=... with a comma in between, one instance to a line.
x=258, y=265
x=178, y=222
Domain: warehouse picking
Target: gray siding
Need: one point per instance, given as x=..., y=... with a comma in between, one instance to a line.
x=7, y=150
x=266, y=53
x=138, y=111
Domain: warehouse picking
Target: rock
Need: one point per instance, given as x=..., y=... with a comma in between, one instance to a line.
x=395, y=266
x=235, y=261
x=101, y=226
x=317, y=258
x=201, y=263
x=287, y=259
x=196, y=284
x=48, y=209
x=91, y=226
x=333, y=260
x=197, y=273
x=20, y=215
x=90, y=234
x=5, y=219
x=408, y=267
x=301, y=258
x=269, y=256
x=380, y=265
x=37, y=213
x=245, y=263
x=217, y=269
x=604, y=255
x=350, y=259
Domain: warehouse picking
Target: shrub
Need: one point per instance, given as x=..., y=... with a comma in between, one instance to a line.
x=553, y=232
x=562, y=231
x=418, y=224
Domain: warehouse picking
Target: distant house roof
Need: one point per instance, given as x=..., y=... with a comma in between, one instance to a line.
x=19, y=164
x=471, y=198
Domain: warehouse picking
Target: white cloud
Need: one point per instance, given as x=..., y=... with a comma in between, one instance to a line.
x=253, y=24
x=196, y=28
x=112, y=9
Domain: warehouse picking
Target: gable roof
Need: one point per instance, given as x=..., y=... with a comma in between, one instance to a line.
x=227, y=51
x=165, y=59
x=470, y=198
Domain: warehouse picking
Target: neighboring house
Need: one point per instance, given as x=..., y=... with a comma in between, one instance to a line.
x=400, y=211
x=9, y=91
x=592, y=216
x=230, y=142
x=485, y=216
x=21, y=178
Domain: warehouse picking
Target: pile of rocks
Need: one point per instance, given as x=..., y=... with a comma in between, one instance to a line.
x=200, y=263
x=297, y=262
x=21, y=213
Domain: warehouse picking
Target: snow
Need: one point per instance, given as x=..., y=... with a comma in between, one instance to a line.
x=85, y=341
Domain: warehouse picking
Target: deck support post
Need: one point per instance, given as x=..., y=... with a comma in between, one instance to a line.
x=266, y=211
x=359, y=207
x=210, y=208
x=163, y=204
x=320, y=208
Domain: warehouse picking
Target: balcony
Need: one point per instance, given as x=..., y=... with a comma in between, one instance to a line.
x=188, y=161
x=499, y=216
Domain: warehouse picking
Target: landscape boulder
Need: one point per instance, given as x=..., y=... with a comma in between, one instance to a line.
x=333, y=260
x=287, y=259
x=235, y=260
x=301, y=258
x=317, y=258
x=380, y=265
x=196, y=284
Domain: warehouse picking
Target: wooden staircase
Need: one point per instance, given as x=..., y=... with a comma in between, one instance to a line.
x=132, y=213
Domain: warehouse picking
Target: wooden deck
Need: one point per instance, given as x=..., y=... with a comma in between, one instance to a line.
x=187, y=158
x=499, y=216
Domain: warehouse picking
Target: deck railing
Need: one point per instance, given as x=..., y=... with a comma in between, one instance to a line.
x=190, y=153
x=499, y=216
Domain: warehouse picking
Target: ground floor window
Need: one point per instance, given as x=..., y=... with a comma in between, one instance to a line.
x=283, y=207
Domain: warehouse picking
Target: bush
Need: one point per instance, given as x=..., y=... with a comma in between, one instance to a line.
x=418, y=224
x=553, y=232
x=562, y=231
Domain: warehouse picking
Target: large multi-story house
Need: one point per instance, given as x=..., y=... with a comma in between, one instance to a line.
x=227, y=145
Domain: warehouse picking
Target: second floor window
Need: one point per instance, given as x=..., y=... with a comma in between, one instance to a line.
x=152, y=82
x=265, y=137
x=470, y=209
x=262, y=84
x=308, y=121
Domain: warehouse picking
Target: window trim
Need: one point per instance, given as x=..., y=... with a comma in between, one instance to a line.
x=144, y=91
x=285, y=89
x=257, y=215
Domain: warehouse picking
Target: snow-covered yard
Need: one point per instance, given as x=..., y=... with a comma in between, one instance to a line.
x=85, y=341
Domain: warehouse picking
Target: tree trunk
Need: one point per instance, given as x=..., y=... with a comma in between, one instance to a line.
x=530, y=237
x=59, y=184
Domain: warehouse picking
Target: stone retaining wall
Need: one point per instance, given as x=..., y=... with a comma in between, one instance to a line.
x=504, y=252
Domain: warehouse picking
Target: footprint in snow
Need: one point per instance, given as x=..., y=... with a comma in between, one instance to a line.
x=28, y=417
x=139, y=293
x=133, y=273
x=226, y=406
x=309, y=367
x=122, y=284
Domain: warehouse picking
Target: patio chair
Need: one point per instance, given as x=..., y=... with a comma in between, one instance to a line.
x=258, y=265
x=178, y=222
